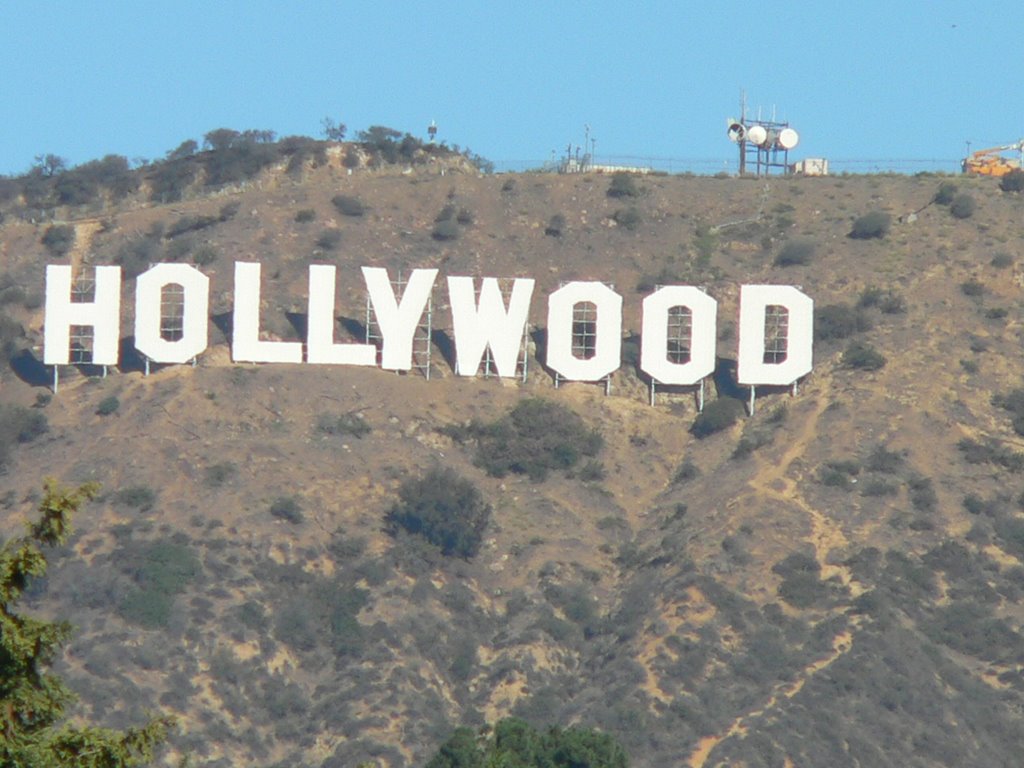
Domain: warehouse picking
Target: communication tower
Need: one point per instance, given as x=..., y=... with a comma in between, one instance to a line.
x=764, y=142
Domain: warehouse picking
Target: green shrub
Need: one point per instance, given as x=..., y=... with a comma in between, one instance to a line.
x=535, y=437
x=623, y=185
x=963, y=206
x=513, y=742
x=945, y=194
x=862, y=356
x=305, y=215
x=1013, y=181
x=108, y=405
x=11, y=335
x=972, y=287
x=839, y=321
x=687, y=471
x=59, y=239
x=140, y=497
x=346, y=424
x=169, y=180
x=839, y=474
x=556, y=226
x=348, y=205
x=445, y=230
x=1002, y=260
x=329, y=239
x=150, y=609
x=287, y=508
x=228, y=211
x=204, y=256
x=627, y=218
x=795, y=563
x=717, y=415
x=871, y=225
x=135, y=256
x=217, y=474
x=795, y=252
x=446, y=509
x=190, y=224
x=19, y=425
x=889, y=301
x=161, y=570
x=922, y=494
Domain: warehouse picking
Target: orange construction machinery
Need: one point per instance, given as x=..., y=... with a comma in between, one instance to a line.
x=990, y=162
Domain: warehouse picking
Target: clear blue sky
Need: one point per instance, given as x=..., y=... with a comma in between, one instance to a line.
x=514, y=81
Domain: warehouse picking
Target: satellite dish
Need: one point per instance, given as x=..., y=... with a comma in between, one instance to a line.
x=788, y=138
x=737, y=131
x=757, y=134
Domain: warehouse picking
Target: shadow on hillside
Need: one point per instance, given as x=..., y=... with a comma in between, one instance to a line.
x=725, y=380
x=131, y=359
x=539, y=337
x=300, y=322
x=30, y=369
x=445, y=345
x=356, y=329
x=224, y=323
x=726, y=384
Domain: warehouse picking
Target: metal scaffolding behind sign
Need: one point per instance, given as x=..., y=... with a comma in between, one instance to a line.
x=584, y=337
x=487, y=365
x=421, y=340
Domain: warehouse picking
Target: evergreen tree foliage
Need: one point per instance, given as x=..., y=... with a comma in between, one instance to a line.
x=32, y=700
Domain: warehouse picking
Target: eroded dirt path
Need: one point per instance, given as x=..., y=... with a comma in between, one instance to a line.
x=780, y=480
x=777, y=481
x=841, y=644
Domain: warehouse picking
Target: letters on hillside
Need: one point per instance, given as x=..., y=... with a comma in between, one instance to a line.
x=483, y=317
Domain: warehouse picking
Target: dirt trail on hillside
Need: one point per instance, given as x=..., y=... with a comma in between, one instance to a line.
x=841, y=644
x=776, y=481
x=85, y=231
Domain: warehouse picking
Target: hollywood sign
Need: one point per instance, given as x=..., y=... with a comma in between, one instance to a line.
x=481, y=320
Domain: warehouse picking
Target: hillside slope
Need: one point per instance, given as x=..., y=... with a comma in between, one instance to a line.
x=834, y=580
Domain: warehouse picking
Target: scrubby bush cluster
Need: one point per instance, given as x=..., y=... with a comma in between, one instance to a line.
x=871, y=225
x=345, y=424
x=628, y=218
x=160, y=570
x=1012, y=401
x=623, y=185
x=225, y=156
x=287, y=508
x=448, y=221
x=513, y=742
x=862, y=356
x=839, y=321
x=888, y=301
x=534, y=438
x=446, y=509
x=795, y=252
x=19, y=425
x=556, y=226
x=717, y=415
x=348, y=205
x=1013, y=181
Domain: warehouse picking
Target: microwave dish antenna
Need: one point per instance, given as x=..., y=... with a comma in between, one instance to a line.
x=788, y=138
